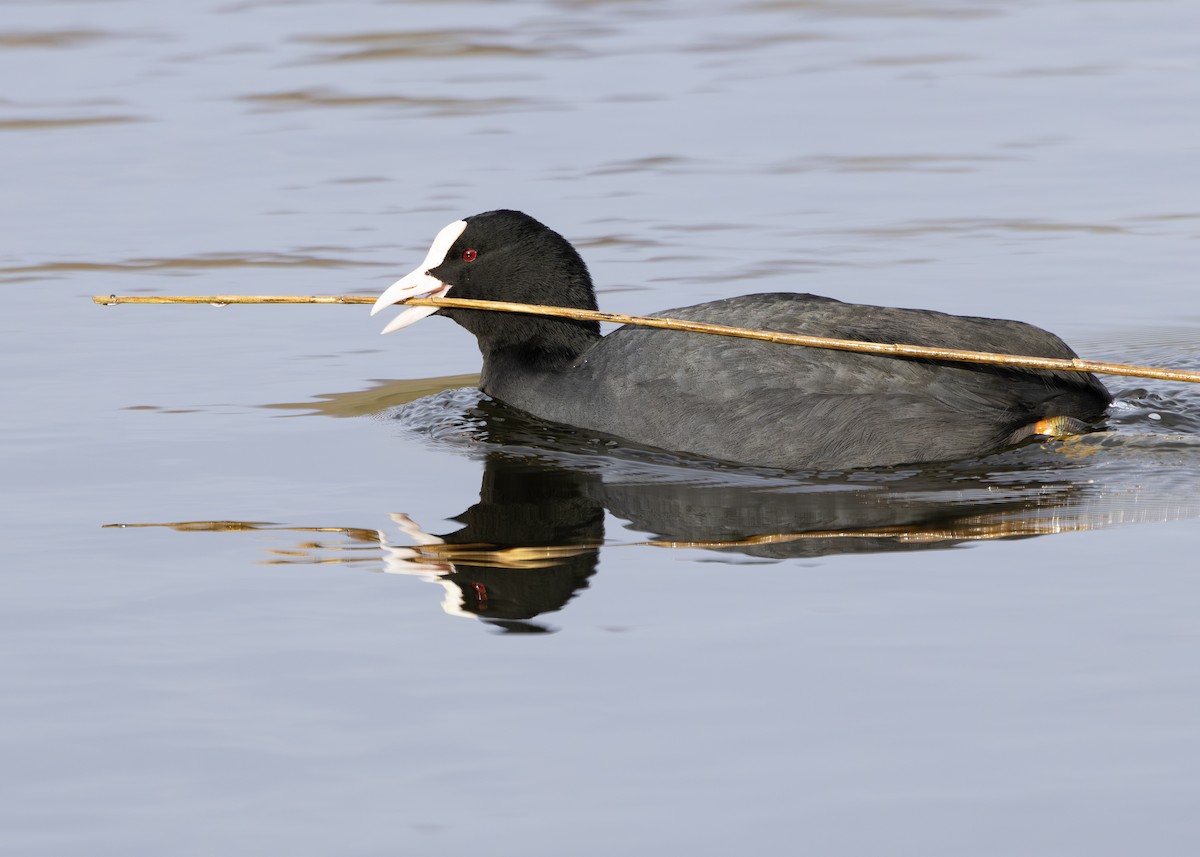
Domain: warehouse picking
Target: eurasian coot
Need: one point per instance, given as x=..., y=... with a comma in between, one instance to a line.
x=734, y=399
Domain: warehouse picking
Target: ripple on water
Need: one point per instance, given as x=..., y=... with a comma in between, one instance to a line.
x=207, y=261
x=48, y=123
x=300, y=99
x=882, y=9
x=465, y=43
x=69, y=38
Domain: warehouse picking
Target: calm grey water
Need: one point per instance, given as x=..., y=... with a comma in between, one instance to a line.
x=577, y=648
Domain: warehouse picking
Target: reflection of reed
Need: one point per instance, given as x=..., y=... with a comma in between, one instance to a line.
x=480, y=554
x=966, y=529
x=977, y=528
x=242, y=526
x=537, y=556
x=973, y=528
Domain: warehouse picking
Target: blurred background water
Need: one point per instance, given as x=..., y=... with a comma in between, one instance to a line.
x=583, y=647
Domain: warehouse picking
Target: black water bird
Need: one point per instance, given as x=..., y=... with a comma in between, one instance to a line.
x=741, y=400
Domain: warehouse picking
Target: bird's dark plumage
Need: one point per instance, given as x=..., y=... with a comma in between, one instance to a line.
x=735, y=399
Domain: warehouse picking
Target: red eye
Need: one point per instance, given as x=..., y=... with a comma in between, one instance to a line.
x=469, y=255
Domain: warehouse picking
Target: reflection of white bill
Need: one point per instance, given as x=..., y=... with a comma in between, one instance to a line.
x=409, y=560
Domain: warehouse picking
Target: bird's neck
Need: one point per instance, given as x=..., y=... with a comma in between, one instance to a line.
x=513, y=367
x=538, y=344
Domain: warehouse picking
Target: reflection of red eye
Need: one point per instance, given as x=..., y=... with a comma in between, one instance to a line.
x=469, y=255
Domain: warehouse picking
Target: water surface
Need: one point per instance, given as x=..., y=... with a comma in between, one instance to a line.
x=375, y=613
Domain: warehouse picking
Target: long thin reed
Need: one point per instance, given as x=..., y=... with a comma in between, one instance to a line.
x=885, y=348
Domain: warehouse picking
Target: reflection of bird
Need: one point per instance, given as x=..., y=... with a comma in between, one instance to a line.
x=739, y=400
x=529, y=544
x=533, y=539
